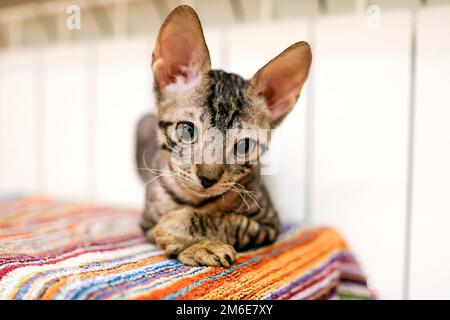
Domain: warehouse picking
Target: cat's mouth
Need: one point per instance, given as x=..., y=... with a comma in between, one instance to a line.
x=194, y=185
x=198, y=190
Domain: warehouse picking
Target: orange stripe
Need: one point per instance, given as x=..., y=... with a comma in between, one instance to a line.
x=294, y=269
x=292, y=264
x=245, y=270
x=268, y=272
x=183, y=282
x=234, y=281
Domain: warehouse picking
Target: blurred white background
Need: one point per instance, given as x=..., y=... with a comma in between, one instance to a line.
x=366, y=150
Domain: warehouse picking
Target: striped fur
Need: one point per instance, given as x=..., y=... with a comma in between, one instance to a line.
x=202, y=212
x=241, y=220
x=51, y=249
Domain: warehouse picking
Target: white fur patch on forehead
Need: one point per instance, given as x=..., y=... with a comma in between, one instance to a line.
x=180, y=96
x=183, y=86
x=180, y=108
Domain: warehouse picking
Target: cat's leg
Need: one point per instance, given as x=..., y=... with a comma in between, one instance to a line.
x=228, y=233
x=175, y=231
x=193, y=239
x=251, y=233
x=208, y=239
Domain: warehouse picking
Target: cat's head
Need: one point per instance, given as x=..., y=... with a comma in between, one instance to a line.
x=216, y=122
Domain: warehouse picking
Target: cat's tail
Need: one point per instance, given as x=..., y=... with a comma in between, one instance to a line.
x=146, y=145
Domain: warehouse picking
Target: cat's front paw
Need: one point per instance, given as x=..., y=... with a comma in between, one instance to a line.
x=208, y=253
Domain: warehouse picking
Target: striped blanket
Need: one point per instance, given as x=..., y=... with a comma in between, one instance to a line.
x=52, y=249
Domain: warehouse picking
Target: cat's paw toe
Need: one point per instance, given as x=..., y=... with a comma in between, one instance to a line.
x=208, y=253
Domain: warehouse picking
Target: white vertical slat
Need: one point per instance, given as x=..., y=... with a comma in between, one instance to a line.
x=18, y=152
x=360, y=135
x=124, y=93
x=430, y=255
x=66, y=115
x=249, y=50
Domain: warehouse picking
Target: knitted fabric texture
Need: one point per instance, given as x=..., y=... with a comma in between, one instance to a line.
x=51, y=249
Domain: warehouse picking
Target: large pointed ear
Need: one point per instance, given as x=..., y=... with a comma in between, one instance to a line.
x=280, y=81
x=180, y=49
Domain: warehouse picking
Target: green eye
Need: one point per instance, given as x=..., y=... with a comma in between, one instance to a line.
x=244, y=147
x=186, y=132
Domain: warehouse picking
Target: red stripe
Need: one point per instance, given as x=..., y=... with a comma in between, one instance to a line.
x=8, y=269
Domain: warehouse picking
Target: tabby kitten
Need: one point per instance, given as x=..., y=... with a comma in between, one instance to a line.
x=203, y=211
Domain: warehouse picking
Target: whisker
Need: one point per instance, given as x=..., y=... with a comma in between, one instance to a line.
x=239, y=192
x=166, y=174
x=249, y=193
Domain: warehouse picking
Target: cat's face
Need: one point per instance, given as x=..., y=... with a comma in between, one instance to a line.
x=214, y=133
x=214, y=126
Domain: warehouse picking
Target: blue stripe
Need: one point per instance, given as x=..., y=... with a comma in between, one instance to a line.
x=196, y=284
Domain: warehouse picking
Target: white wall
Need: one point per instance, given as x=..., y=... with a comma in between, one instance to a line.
x=65, y=121
x=360, y=132
x=68, y=115
x=123, y=94
x=19, y=111
x=430, y=255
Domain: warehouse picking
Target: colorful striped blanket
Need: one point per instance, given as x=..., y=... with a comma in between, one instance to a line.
x=51, y=249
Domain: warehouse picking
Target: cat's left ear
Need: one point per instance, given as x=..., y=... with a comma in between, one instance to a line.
x=280, y=81
x=180, y=49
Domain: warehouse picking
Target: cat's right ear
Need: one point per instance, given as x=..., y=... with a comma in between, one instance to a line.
x=280, y=81
x=180, y=50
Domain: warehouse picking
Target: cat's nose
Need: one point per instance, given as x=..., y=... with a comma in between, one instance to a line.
x=209, y=174
x=207, y=183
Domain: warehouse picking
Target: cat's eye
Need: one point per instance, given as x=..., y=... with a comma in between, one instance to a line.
x=244, y=147
x=186, y=132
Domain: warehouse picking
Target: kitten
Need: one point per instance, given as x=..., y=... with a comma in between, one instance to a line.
x=202, y=212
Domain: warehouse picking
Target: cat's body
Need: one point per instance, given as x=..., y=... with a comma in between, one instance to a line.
x=201, y=211
x=242, y=219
